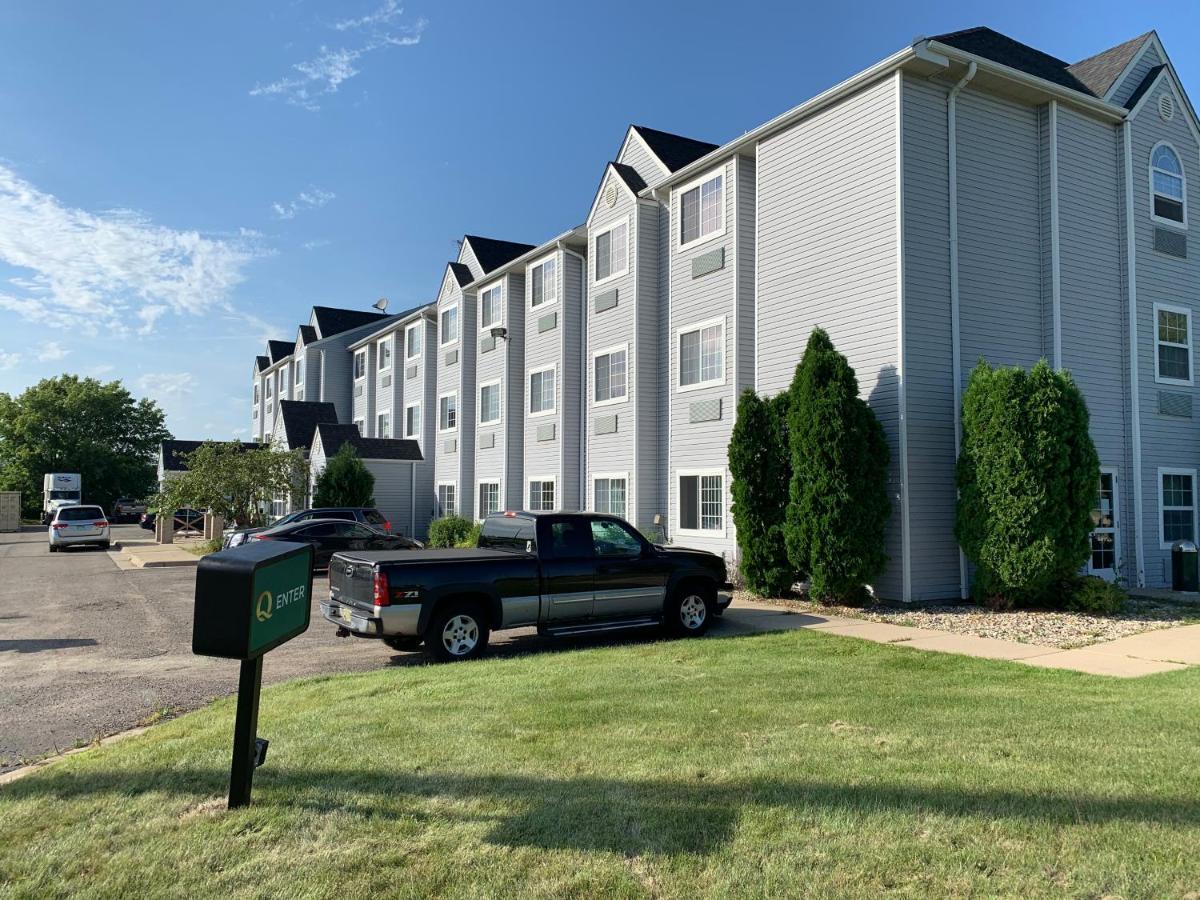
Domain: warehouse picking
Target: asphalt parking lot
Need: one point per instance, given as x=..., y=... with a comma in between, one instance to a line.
x=88, y=649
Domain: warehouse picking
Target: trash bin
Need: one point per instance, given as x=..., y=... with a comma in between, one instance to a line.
x=1185, y=567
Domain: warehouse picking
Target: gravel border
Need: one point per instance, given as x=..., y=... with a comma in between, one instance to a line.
x=1047, y=628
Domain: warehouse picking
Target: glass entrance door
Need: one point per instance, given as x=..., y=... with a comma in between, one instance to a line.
x=1105, y=557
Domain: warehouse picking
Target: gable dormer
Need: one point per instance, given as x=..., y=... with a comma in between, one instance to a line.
x=620, y=184
x=655, y=154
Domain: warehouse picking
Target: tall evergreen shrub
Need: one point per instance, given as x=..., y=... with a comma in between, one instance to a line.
x=345, y=481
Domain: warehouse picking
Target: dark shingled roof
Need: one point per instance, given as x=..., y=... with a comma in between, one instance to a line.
x=279, y=350
x=492, y=254
x=461, y=274
x=334, y=436
x=172, y=452
x=1002, y=49
x=331, y=321
x=308, y=334
x=1100, y=71
x=262, y=362
x=1143, y=87
x=629, y=175
x=300, y=420
x=674, y=150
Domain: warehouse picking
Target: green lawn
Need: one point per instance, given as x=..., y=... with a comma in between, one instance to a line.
x=783, y=764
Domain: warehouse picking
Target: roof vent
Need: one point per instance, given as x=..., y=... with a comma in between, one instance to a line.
x=1166, y=107
x=610, y=195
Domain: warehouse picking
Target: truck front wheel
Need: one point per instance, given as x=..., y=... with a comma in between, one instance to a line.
x=690, y=610
x=458, y=631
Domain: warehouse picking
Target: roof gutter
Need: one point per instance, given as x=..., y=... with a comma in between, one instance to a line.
x=425, y=311
x=579, y=231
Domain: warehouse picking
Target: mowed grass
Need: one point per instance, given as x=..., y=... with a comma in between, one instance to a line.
x=792, y=764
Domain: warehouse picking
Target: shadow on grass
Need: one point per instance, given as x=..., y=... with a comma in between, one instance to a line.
x=603, y=814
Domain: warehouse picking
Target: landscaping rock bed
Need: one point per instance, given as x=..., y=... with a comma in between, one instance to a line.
x=1048, y=628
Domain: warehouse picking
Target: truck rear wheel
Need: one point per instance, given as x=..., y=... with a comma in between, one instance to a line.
x=690, y=610
x=458, y=631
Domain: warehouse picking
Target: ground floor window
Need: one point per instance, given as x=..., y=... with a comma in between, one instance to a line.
x=1104, y=534
x=701, y=501
x=1177, y=501
x=541, y=495
x=447, y=500
x=609, y=495
x=489, y=498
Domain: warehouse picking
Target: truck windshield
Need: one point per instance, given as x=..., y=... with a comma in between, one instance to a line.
x=64, y=495
x=517, y=535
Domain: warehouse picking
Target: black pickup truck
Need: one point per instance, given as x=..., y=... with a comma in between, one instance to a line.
x=566, y=573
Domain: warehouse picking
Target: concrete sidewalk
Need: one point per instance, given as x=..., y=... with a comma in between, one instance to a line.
x=1163, y=650
x=146, y=554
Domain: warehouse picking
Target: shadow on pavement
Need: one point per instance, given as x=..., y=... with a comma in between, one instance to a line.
x=37, y=645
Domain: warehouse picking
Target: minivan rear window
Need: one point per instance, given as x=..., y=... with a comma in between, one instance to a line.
x=80, y=513
x=508, y=534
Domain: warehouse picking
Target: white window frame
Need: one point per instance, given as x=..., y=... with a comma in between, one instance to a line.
x=438, y=494
x=442, y=342
x=682, y=388
x=610, y=476
x=298, y=373
x=612, y=401
x=553, y=370
x=542, y=479
x=545, y=260
x=415, y=327
x=616, y=223
x=1150, y=168
x=495, y=382
x=420, y=416
x=698, y=184
x=701, y=532
x=453, y=428
x=379, y=428
x=380, y=346
x=360, y=424
x=354, y=371
x=256, y=393
x=1161, y=379
x=486, y=327
x=1163, y=543
x=479, y=483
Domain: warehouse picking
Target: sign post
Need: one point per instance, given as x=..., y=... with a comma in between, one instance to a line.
x=249, y=600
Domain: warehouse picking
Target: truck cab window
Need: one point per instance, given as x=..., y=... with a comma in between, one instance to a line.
x=508, y=534
x=569, y=539
x=614, y=539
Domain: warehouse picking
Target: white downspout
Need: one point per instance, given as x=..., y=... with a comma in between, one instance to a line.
x=955, y=341
x=412, y=500
x=1135, y=421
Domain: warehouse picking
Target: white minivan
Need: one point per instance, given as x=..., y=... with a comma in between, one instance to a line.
x=78, y=525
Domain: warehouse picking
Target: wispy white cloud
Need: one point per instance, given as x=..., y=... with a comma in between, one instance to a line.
x=325, y=73
x=9, y=360
x=313, y=198
x=315, y=244
x=52, y=351
x=108, y=270
x=166, y=385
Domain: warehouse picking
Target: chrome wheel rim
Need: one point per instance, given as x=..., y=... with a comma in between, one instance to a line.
x=460, y=636
x=692, y=612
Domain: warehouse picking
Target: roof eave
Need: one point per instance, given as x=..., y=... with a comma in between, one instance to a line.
x=425, y=311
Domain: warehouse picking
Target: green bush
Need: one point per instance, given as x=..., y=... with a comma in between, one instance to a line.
x=450, y=531
x=1027, y=478
x=1087, y=593
x=472, y=537
x=345, y=481
x=761, y=470
x=838, y=501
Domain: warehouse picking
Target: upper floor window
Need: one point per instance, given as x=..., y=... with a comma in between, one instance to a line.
x=489, y=403
x=256, y=393
x=269, y=382
x=360, y=363
x=299, y=372
x=489, y=307
x=541, y=392
x=702, y=210
x=412, y=341
x=702, y=355
x=385, y=354
x=1168, y=185
x=1173, y=344
x=609, y=376
x=412, y=420
x=383, y=425
x=448, y=412
x=612, y=252
x=544, y=283
x=448, y=333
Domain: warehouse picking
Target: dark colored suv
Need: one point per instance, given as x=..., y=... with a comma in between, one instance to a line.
x=367, y=515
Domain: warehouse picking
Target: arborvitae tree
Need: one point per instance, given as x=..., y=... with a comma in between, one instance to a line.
x=345, y=481
x=839, y=505
x=1027, y=477
x=761, y=470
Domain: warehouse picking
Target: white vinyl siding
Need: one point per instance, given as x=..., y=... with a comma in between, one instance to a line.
x=490, y=409
x=541, y=494
x=542, y=392
x=702, y=355
x=702, y=210
x=612, y=252
x=449, y=330
x=1177, y=500
x=543, y=283
x=609, y=371
x=609, y=494
x=1172, y=344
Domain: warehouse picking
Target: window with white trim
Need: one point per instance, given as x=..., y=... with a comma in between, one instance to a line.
x=702, y=355
x=447, y=500
x=489, y=403
x=1177, y=502
x=541, y=495
x=299, y=371
x=412, y=420
x=412, y=341
x=448, y=412
x=383, y=425
x=541, y=392
x=491, y=307
x=608, y=495
x=701, y=501
x=269, y=386
x=612, y=252
x=360, y=364
x=256, y=393
x=1168, y=185
x=383, y=353
x=543, y=280
x=609, y=382
x=489, y=498
x=448, y=333
x=702, y=211
x=359, y=424
x=1172, y=344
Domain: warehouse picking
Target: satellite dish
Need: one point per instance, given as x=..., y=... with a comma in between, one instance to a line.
x=381, y=304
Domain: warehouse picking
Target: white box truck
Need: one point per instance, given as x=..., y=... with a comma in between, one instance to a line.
x=60, y=489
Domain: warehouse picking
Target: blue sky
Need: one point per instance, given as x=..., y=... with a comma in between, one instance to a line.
x=180, y=181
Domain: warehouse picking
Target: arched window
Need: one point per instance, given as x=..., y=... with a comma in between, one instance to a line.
x=1168, y=185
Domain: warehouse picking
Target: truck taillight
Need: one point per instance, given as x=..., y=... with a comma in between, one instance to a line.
x=381, y=589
